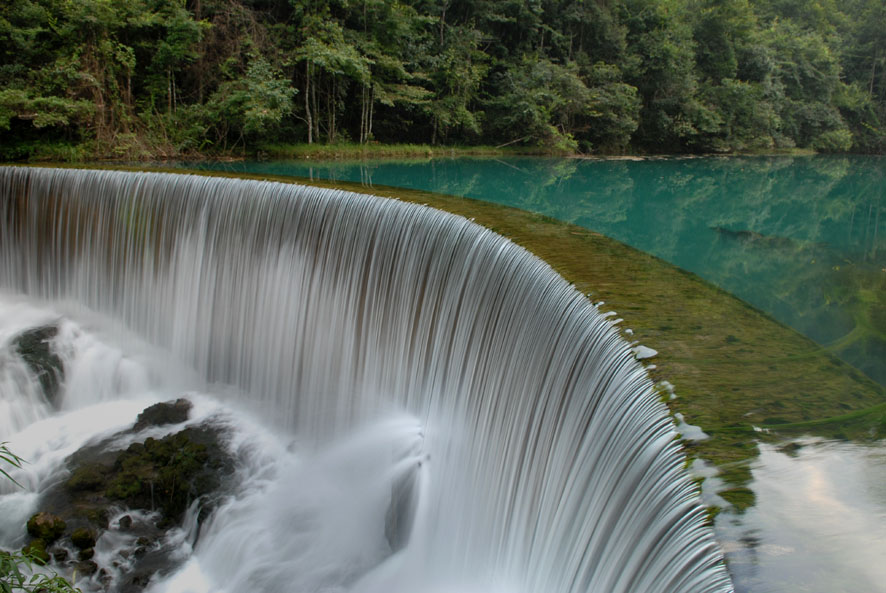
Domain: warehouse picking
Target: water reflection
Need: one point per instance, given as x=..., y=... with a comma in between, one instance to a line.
x=802, y=238
x=819, y=525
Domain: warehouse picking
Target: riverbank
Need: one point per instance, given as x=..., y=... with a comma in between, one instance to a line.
x=353, y=151
x=77, y=154
x=83, y=154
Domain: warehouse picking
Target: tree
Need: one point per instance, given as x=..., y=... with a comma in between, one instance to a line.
x=165, y=77
x=807, y=77
x=863, y=104
x=612, y=115
x=251, y=105
x=392, y=37
x=661, y=66
x=330, y=62
x=456, y=74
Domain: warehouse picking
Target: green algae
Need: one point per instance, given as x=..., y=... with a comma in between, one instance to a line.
x=741, y=498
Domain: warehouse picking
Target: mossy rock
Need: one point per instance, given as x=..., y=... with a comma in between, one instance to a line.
x=86, y=568
x=171, y=412
x=86, y=554
x=711, y=513
x=36, y=549
x=91, y=476
x=168, y=473
x=46, y=527
x=791, y=449
x=161, y=474
x=83, y=538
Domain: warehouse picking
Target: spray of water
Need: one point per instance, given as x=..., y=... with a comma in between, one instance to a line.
x=398, y=349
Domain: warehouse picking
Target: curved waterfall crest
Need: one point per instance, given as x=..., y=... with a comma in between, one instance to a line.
x=549, y=464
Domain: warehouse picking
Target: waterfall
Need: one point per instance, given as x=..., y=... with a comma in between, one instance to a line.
x=540, y=458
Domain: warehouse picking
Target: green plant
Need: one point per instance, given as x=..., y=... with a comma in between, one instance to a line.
x=17, y=574
x=9, y=458
x=17, y=569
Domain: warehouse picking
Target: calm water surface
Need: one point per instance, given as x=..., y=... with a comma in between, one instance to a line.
x=819, y=523
x=802, y=238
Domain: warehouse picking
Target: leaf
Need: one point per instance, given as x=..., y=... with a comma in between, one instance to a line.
x=12, y=459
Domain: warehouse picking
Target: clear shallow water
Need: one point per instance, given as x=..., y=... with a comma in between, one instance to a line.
x=802, y=238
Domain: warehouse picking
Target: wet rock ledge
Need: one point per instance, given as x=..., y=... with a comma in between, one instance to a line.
x=35, y=347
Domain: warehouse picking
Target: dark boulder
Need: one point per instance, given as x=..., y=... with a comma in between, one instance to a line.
x=172, y=412
x=35, y=348
x=46, y=527
x=86, y=567
x=83, y=538
x=36, y=549
x=86, y=554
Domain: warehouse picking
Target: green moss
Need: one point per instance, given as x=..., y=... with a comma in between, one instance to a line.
x=96, y=516
x=35, y=348
x=88, y=477
x=165, y=473
x=46, y=527
x=711, y=514
x=83, y=538
x=741, y=498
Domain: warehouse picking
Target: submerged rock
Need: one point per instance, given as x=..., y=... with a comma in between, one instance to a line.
x=35, y=348
x=400, y=514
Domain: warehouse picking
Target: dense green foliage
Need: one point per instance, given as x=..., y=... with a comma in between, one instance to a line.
x=145, y=78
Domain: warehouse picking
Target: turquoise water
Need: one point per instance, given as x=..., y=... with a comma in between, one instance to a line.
x=801, y=238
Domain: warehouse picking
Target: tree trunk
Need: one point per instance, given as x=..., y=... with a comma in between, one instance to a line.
x=364, y=115
x=330, y=106
x=316, y=110
x=371, y=111
x=443, y=21
x=308, y=103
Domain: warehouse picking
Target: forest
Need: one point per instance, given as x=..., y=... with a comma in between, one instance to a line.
x=143, y=79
